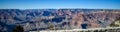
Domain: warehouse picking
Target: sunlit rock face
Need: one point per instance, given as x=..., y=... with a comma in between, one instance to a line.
x=40, y=19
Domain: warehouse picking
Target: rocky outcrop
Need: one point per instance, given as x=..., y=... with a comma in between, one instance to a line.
x=33, y=19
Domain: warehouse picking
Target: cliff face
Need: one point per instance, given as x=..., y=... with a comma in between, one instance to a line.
x=32, y=19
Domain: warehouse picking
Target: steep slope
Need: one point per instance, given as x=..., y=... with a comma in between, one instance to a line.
x=39, y=19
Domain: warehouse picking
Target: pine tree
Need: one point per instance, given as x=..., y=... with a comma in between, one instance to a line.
x=18, y=28
x=51, y=27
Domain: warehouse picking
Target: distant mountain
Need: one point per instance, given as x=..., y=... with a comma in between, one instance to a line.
x=39, y=19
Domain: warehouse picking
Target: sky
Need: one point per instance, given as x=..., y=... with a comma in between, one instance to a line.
x=56, y=4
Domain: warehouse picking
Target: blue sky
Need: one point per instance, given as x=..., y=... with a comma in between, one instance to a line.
x=41, y=4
